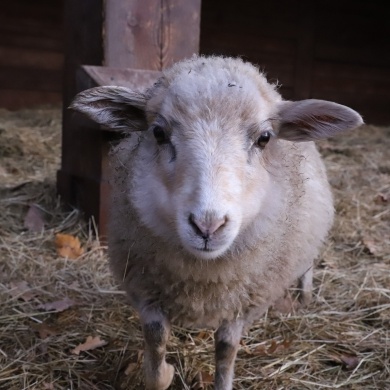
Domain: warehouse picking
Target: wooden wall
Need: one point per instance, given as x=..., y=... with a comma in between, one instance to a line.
x=326, y=49
x=330, y=49
x=31, y=55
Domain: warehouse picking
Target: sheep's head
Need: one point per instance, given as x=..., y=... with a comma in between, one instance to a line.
x=209, y=129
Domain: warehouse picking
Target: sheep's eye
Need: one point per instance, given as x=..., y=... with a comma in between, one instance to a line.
x=263, y=139
x=160, y=135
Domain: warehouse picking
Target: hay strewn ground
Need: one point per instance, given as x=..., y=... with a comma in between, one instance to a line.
x=341, y=341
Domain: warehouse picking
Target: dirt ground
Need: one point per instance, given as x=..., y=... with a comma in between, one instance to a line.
x=65, y=325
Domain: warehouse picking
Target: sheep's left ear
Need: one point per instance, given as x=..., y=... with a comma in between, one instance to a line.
x=309, y=120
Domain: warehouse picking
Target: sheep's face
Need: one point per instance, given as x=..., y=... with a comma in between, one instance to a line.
x=208, y=149
x=202, y=173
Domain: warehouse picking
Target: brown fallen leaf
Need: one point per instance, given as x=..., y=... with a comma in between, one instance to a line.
x=201, y=379
x=45, y=330
x=370, y=245
x=89, y=344
x=132, y=367
x=68, y=246
x=203, y=335
x=22, y=290
x=382, y=198
x=58, y=306
x=34, y=221
x=350, y=362
x=263, y=350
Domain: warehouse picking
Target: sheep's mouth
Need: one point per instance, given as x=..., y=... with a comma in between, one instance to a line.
x=206, y=252
x=204, y=249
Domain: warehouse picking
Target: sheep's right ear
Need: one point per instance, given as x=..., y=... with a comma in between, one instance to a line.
x=118, y=108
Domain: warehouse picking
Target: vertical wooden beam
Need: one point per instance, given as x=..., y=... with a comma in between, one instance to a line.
x=78, y=179
x=150, y=34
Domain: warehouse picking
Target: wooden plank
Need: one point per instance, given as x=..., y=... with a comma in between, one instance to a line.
x=374, y=55
x=15, y=99
x=24, y=40
x=305, y=52
x=81, y=150
x=44, y=9
x=154, y=34
x=356, y=71
x=30, y=58
x=30, y=79
x=130, y=78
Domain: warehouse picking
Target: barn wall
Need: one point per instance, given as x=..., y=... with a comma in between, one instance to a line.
x=31, y=52
x=329, y=49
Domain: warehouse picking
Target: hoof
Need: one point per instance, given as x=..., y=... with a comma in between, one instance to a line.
x=163, y=380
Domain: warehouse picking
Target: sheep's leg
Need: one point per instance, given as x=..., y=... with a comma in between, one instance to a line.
x=305, y=286
x=227, y=339
x=156, y=328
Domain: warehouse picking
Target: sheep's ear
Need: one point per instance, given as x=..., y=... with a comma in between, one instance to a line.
x=311, y=119
x=118, y=108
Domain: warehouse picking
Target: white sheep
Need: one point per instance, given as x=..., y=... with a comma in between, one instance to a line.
x=218, y=204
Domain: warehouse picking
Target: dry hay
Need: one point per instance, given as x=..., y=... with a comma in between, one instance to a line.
x=340, y=341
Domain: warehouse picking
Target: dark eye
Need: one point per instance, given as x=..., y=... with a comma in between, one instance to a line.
x=160, y=135
x=263, y=139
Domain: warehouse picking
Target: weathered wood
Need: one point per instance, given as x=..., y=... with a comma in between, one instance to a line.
x=30, y=53
x=78, y=180
x=30, y=58
x=305, y=52
x=153, y=33
x=14, y=99
x=130, y=78
x=33, y=79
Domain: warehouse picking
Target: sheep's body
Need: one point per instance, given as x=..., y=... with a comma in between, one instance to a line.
x=263, y=263
x=218, y=207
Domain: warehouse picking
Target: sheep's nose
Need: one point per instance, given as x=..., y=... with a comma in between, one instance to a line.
x=207, y=225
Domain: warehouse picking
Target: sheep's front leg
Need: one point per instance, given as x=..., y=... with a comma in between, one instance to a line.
x=156, y=328
x=227, y=339
x=305, y=287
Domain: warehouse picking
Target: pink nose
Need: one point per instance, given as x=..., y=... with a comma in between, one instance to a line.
x=207, y=225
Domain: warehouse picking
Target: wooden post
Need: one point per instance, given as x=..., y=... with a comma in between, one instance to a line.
x=138, y=34
x=151, y=34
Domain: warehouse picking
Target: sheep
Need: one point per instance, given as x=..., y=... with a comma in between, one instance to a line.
x=220, y=200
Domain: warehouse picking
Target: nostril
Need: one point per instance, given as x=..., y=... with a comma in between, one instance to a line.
x=194, y=225
x=204, y=227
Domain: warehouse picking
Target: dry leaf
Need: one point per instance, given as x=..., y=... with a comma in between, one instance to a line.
x=34, y=221
x=58, y=306
x=204, y=335
x=370, y=245
x=48, y=386
x=382, y=198
x=132, y=367
x=201, y=379
x=45, y=330
x=272, y=348
x=262, y=350
x=350, y=362
x=68, y=246
x=90, y=343
x=22, y=290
